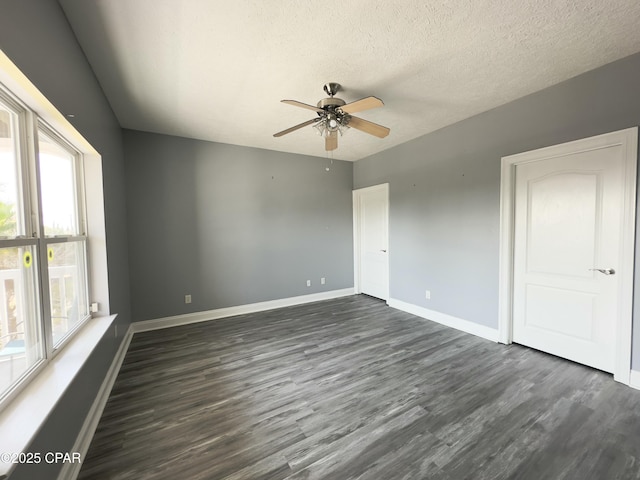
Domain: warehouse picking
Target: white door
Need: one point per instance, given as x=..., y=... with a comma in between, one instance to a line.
x=371, y=210
x=567, y=249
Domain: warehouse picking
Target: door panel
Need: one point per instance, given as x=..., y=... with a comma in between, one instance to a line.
x=565, y=312
x=567, y=222
x=563, y=223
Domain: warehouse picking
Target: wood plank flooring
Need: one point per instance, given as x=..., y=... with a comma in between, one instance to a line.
x=351, y=388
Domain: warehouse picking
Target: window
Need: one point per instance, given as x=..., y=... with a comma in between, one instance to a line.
x=43, y=267
x=64, y=236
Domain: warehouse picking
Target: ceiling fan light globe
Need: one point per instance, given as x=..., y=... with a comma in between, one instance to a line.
x=343, y=129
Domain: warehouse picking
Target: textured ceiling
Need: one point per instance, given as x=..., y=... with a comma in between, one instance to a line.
x=217, y=70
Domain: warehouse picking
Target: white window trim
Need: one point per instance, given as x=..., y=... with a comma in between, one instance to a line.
x=23, y=416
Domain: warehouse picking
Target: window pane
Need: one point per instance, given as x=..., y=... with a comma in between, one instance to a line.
x=67, y=287
x=58, y=188
x=9, y=191
x=20, y=333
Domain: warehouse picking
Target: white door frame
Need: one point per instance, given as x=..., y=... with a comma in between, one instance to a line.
x=357, y=196
x=628, y=139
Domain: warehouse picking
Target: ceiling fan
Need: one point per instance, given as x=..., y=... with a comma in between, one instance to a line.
x=335, y=116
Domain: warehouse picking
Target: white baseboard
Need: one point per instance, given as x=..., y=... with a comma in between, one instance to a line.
x=634, y=379
x=71, y=470
x=166, y=322
x=444, y=319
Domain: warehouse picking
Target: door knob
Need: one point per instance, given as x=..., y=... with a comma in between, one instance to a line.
x=605, y=271
x=383, y=251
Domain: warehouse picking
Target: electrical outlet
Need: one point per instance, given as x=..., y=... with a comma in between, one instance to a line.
x=187, y=299
x=427, y=294
x=308, y=283
x=322, y=281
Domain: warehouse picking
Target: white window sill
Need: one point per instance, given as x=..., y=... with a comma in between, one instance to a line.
x=23, y=417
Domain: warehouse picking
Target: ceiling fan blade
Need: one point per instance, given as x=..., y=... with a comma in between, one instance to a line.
x=362, y=104
x=368, y=127
x=292, y=129
x=295, y=103
x=331, y=141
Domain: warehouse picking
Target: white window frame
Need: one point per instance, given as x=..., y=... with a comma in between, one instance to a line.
x=31, y=230
x=46, y=240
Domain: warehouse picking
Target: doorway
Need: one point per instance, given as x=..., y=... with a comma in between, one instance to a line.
x=371, y=240
x=567, y=249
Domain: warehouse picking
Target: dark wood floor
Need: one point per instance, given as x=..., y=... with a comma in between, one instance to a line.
x=351, y=388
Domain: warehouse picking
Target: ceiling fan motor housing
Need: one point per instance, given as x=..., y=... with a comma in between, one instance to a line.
x=330, y=103
x=333, y=116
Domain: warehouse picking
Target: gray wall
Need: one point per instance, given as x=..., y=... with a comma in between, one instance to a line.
x=36, y=36
x=232, y=225
x=445, y=188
